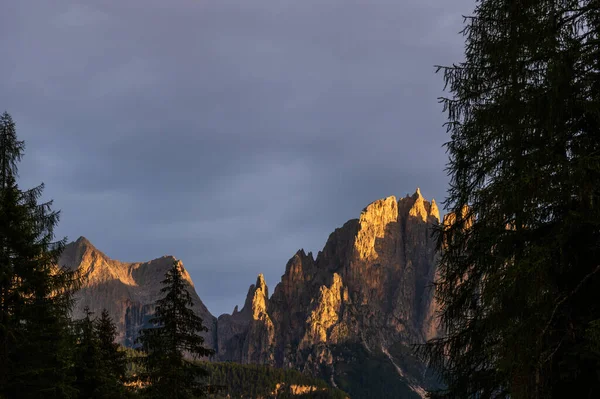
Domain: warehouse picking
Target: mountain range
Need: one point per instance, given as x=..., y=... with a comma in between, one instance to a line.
x=348, y=315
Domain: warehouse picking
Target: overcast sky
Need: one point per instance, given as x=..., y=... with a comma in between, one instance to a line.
x=227, y=133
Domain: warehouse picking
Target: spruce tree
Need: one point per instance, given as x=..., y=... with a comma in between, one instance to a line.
x=519, y=271
x=173, y=339
x=35, y=294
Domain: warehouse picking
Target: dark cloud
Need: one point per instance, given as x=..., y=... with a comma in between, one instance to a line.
x=227, y=133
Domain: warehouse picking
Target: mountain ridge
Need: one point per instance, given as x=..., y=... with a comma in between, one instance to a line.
x=365, y=294
x=368, y=286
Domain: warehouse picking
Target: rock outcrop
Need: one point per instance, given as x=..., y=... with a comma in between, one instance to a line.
x=127, y=290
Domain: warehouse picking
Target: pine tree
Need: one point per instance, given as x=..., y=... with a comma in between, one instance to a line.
x=35, y=294
x=519, y=271
x=174, y=337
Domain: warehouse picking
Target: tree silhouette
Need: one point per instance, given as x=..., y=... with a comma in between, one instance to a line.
x=175, y=336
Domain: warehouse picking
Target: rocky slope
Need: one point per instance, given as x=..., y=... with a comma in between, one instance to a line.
x=127, y=290
x=368, y=288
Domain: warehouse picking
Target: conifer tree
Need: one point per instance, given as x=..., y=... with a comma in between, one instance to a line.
x=35, y=294
x=88, y=365
x=519, y=271
x=112, y=359
x=99, y=365
x=174, y=337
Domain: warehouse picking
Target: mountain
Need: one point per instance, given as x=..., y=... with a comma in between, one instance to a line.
x=127, y=290
x=365, y=296
x=349, y=316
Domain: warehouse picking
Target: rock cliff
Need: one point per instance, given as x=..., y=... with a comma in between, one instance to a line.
x=127, y=290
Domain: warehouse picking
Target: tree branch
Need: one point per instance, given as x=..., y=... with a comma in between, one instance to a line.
x=567, y=297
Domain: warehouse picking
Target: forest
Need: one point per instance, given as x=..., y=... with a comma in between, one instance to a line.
x=247, y=381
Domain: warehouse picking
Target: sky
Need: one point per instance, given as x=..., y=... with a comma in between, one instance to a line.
x=226, y=133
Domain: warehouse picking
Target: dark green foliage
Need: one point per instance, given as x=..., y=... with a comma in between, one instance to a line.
x=35, y=294
x=113, y=359
x=241, y=381
x=88, y=366
x=99, y=364
x=175, y=335
x=519, y=272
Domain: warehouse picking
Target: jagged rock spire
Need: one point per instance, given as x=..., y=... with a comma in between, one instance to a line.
x=434, y=212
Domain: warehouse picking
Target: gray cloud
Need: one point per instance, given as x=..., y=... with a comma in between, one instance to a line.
x=227, y=133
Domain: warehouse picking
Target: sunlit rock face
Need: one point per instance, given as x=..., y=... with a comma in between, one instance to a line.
x=369, y=285
x=127, y=290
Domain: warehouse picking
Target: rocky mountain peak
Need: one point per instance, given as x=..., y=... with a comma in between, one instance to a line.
x=82, y=241
x=417, y=194
x=248, y=335
x=261, y=284
x=95, y=266
x=434, y=212
x=260, y=298
x=366, y=289
x=419, y=208
x=79, y=249
x=374, y=222
x=127, y=290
